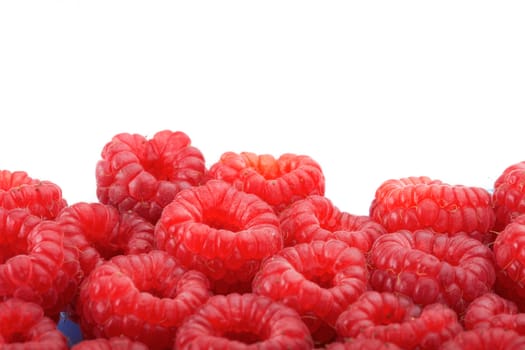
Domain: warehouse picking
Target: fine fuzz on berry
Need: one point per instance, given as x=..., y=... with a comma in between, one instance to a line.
x=144, y=297
x=316, y=218
x=318, y=279
x=40, y=198
x=221, y=231
x=23, y=326
x=143, y=175
x=415, y=203
x=279, y=181
x=432, y=267
x=397, y=319
x=242, y=322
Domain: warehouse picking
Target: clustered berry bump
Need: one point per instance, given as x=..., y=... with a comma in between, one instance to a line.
x=249, y=253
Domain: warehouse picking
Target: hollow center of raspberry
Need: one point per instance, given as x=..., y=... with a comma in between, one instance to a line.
x=159, y=170
x=322, y=279
x=221, y=220
x=245, y=337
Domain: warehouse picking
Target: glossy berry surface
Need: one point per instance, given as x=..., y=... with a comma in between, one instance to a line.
x=221, y=231
x=397, y=319
x=244, y=322
x=431, y=268
x=317, y=218
x=24, y=326
x=145, y=297
x=318, y=279
x=414, y=203
x=143, y=175
x=278, y=181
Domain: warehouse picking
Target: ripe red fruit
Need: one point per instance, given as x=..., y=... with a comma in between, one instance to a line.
x=144, y=297
x=422, y=203
x=317, y=279
x=221, y=231
x=509, y=195
x=35, y=264
x=486, y=339
x=431, y=267
x=362, y=344
x=40, y=198
x=279, y=181
x=510, y=261
x=113, y=343
x=23, y=325
x=99, y=231
x=243, y=321
x=144, y=175
x=397, y=319
x=316, y=218
x=491, y=310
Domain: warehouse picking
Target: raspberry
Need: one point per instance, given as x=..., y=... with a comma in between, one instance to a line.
x=318, y=279
x=279, y=181
x=492, y=311
x=362, y=344
x=99, y=232
x=40, y=198
x=422, y=203
x=486, y=339
x=397, y=319
x=508, y=249
x=23, y=326
x=114, y=343
x=431, y=267
x=144, y=297
x=509, y=195
x=221, y=231
x=316, y=218
x=36, y=267
x=144, y=175
x=243, y=321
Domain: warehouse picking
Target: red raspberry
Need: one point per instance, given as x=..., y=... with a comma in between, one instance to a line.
x=431, y=267
x=41, y=198
x=23, y=326
x=316, y=218
x=243, y=321
x=397, y=319
x=486, y=339
x=144, y=297
x=508, y=249
x=114, y=343
x=221, y=231
x=509, y=195
x=362, y=344
x=99, y=232
x=144, y=175
x=278, y=181
x=421, y=203
x=492, y=311
x=318, y=279
x=36, y=266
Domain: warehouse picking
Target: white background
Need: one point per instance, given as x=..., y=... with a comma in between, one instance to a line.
x=372, y=90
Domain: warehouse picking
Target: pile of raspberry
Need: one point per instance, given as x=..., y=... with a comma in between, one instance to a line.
x=249, y=253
